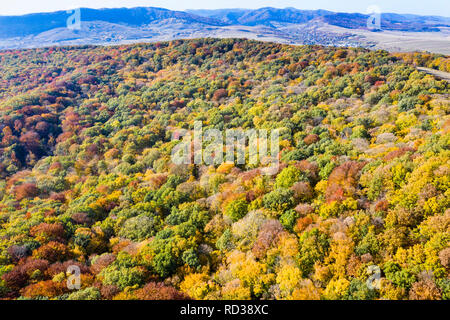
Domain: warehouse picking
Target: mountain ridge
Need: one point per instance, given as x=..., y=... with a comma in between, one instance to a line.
x=288, y=25
x=136, y=17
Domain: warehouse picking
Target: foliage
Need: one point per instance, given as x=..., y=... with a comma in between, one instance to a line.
x=86, y=177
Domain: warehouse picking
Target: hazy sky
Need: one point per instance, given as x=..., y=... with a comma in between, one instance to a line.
x=425, y=7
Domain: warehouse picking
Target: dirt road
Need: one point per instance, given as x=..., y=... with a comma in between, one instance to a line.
x=438, y=74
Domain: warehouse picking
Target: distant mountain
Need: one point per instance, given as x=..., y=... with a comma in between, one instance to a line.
x=229, y=16
x=33, y=24
x=264, y=16
x=289, y=25
x=268, y=16
x=389, y=21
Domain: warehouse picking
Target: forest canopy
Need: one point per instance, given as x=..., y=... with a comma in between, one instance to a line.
x=86, y=177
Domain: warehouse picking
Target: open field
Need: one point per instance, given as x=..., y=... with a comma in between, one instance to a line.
x=396, y=41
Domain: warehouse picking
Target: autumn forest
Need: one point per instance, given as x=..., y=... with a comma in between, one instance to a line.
x=357, y=210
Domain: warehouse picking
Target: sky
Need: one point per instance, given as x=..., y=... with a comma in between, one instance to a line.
x=421, y=7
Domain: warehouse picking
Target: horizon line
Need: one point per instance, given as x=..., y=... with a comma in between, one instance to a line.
x=200, y=9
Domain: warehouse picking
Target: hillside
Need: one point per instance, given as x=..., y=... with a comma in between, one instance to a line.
x=33, y=24
x=289, y=26
x=268, y=16
x=357, y=209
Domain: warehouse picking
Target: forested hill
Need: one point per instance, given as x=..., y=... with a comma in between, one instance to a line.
x=86, y=177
